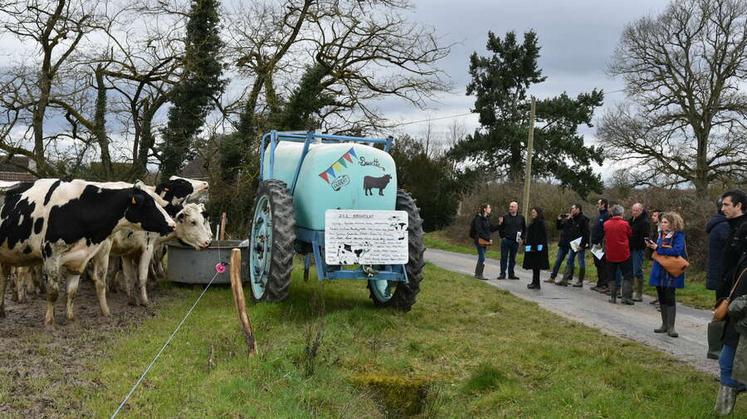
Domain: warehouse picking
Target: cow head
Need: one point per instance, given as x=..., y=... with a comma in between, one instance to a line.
x=178, y=190
x=144, y=210
x=192, y=228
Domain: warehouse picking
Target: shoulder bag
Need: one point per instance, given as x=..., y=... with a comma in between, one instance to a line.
x=482, y=242
x=718, y=324
x=674, y=265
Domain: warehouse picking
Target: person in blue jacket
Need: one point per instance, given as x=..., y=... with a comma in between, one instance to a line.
x=718, y=233
x=671, y=242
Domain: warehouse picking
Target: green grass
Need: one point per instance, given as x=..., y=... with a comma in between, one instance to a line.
x=466, y=349
x=694, y=294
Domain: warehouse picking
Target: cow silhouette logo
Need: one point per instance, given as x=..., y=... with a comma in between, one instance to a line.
x=370, y=182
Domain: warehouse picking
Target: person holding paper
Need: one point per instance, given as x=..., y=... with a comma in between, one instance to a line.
x=617, y=233
x=597, y=238
x=575, y=230
x=535, y=247
x=512, y=230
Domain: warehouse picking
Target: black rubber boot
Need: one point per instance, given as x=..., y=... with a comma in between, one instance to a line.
x=581, y=274
x=638, y=289
x=671, y=314
x=664, y=323
x=479, y=269
x=627, y=292
x=613, y=292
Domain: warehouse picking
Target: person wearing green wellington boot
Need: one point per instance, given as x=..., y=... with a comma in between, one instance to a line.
x=639, y=224
x=671, y=242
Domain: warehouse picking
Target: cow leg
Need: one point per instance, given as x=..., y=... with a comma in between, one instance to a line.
x=100, y=268
x=51, y=272
x=72, y=290
x=143, y=265
x=3, y=281
x=129, y=278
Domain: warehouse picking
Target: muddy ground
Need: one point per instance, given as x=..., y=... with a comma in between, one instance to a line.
x=41, y=366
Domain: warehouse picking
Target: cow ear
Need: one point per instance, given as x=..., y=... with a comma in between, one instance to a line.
x=136, y=199
x=180, y=217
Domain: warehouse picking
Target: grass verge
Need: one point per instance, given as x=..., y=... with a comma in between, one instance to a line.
x=466, y=349
x=694, y=294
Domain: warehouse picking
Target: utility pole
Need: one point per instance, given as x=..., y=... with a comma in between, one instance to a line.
x=528, y=169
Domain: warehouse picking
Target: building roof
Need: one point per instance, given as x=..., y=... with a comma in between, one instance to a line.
x=16, y=176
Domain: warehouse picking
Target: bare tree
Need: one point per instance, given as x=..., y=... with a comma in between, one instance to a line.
x=366, y=50
x=685, y=122
x=55, y=28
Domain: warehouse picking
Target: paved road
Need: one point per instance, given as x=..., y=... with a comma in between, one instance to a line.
x=635, y=322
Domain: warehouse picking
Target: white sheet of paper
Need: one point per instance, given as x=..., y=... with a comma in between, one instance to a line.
x=576, y=244
x=518, y=236
x=365, y=237
x=597, y=251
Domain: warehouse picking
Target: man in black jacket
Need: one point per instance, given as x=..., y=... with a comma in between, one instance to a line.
x=639, y=224
x=513, y=230
x=733, y=205
x=575, y=226
x=597, y=239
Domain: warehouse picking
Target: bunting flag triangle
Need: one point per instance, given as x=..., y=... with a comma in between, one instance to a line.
x=342, y=162
x=324, y=176
x=331, y=172
x=336, y=166
x=347, y=157
x=352, y=152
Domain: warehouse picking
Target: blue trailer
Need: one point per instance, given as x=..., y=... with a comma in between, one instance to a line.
x=309, y=180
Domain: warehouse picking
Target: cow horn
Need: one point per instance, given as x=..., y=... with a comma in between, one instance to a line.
x=133, y=200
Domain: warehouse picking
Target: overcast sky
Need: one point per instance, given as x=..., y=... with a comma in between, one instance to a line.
x=577, y=37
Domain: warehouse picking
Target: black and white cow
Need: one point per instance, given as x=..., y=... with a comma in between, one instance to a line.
x=176, y=191
x=63, y=224
x=136, y=249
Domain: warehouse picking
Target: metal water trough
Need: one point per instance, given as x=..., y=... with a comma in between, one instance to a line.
x=189, y=266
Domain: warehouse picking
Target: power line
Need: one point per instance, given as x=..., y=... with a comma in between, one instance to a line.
x=432, y=119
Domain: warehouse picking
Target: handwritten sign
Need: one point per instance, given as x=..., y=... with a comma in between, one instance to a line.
x=365, y=237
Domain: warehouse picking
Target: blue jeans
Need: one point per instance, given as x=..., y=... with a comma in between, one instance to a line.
x=508, y=255
x=562, y=253
x=480, y=254
x=726, y=364
x=572, y=258
x=637, y=256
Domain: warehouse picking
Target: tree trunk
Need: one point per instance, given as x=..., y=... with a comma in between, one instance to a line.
x=100, y=124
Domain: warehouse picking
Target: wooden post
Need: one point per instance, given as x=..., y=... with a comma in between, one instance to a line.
x=223, y=226
x=528, y=168
x=238, y=299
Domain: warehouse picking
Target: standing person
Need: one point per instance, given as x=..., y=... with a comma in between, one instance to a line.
x=733, y=205
x=481, y=229
x=565, y=226
x=639, y=224
x=535, y=247
x=513, y=229
x=671, y=242
x=597, y=237
x=578, y=227
x=617, y=234
x=718, y=233
x=655, y=213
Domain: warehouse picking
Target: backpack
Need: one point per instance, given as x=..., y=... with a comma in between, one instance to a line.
x=473, y=229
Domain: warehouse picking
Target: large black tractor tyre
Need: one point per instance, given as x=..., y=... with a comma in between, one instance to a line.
x=401, y=295
x=272, y=235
